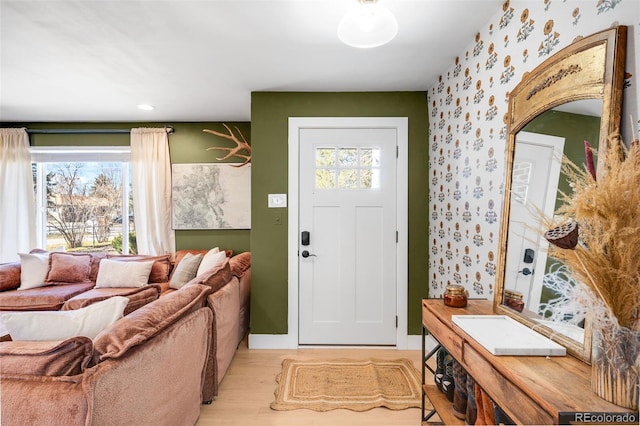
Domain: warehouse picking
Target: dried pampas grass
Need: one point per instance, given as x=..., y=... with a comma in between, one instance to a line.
x=607, y=256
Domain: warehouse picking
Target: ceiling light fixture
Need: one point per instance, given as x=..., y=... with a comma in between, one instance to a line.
x=146, y=107
x=367, y=25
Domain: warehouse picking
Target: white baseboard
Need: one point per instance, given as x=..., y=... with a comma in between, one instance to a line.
x=429, y=343
x=272, y=341
x=284, y=341
x=414, y=342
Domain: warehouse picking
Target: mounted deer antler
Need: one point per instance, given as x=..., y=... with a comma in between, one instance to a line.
x=241, y=145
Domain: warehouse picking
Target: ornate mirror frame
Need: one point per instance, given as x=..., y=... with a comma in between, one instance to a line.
x=590, y=68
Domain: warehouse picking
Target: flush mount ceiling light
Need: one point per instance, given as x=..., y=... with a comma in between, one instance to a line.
x=146, y=107
x=367, y=25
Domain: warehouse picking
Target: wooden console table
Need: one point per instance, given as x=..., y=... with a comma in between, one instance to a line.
x=530, y=389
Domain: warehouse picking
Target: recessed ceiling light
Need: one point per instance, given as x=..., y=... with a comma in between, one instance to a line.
x=146, y=107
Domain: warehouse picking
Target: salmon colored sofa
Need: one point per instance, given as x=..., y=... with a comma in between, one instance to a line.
x=227, y=300
x=148, y=368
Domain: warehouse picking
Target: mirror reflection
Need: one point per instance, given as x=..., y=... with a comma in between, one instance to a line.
x=537, y=182
x=574, y=96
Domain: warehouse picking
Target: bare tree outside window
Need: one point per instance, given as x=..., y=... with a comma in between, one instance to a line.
x=84, y=198
x=108, y=200
x=83, y=202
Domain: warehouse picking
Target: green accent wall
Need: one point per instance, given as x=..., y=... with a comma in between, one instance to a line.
x=267, y=134
x=575, y=128
x=269, y=124
x=188, y=144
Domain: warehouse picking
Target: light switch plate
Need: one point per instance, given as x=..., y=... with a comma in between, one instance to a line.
x=277, y=201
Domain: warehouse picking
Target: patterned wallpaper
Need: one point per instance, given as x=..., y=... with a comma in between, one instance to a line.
x=467, y=135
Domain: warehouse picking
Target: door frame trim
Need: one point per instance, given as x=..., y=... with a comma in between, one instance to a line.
x=401, y=124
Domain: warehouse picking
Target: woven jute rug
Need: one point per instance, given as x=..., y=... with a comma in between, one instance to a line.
x=357, y=385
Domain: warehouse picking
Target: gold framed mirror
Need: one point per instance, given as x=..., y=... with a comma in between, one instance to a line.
x=572, y=97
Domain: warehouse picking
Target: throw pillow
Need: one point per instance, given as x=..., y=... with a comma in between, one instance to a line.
x=60, y=325
x=240, y=263
x=33, y=270
x=159, y=271
x=217, y=277
x=68, y=268
x=186, y=270
x=211, y=260
x=115, y=273
x=96, y=257
x=182, y=253
x=9, y=276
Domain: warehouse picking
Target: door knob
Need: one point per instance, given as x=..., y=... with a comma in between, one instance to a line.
x=306, y=254
x=526, y=271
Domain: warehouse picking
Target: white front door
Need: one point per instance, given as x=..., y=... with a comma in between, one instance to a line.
x=347, y=208
x=536, y=170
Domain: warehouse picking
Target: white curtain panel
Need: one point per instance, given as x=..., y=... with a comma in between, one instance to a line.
x=17, y=199
x=151, y=180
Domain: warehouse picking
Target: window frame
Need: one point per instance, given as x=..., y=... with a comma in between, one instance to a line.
x=40, y=155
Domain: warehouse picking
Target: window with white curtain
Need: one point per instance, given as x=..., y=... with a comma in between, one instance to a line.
x=83, y=198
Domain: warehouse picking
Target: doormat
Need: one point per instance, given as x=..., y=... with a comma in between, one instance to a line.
x=358, y=385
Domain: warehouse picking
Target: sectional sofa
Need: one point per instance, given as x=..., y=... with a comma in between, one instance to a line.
x=168, y=339
x=145, y=369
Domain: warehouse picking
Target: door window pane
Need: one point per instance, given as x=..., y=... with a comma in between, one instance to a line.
x=348, y=157
x=521, y=178
x=348, y=179
x=325, y=179
x=370, y=179
x=370, y=157
x=355, y=168
x=325, y=157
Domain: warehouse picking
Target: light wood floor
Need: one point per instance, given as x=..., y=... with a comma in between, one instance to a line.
x=247, y=390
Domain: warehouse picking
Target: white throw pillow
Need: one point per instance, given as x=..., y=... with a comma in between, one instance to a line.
x=186, y=270
x=33, y=270
x=60, y=325
x=211, y=260
x=116, y=273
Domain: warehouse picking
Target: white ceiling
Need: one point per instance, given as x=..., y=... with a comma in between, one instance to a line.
x=200, y=60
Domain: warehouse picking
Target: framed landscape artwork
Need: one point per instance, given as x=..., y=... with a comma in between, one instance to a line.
x=211, y=196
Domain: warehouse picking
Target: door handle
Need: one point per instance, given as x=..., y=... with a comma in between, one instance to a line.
x=306, y=254
x=526, y=271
